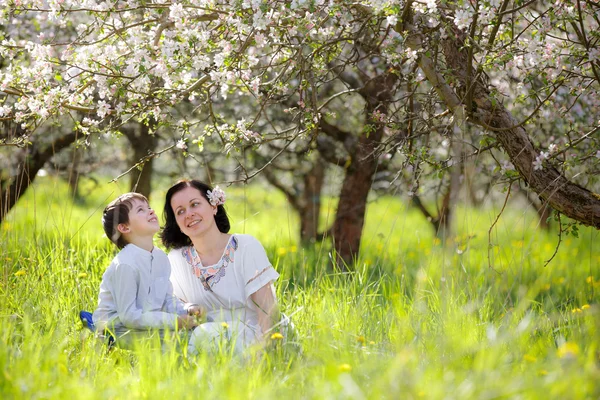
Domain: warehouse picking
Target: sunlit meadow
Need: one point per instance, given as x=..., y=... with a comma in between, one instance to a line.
x=479, y=318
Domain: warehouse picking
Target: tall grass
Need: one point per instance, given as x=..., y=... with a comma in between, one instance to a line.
x=412, y=320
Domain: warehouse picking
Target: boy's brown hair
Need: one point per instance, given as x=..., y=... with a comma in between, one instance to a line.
x=117, y=212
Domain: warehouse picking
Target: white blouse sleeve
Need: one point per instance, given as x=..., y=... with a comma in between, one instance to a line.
x=256, y=268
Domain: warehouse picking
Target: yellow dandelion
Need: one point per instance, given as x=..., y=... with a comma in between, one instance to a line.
x=529, y=358
x=225, y=325
x=568, y=350
x=437, y=241
x=20, y=272
x=82, y=275
x=421, y=394
x=293, y=249
x=281, y=251
x=276, y=336
x=361, y=339
x=590, y=279
x=576, y=310
x=542, y=372
x=345, y=368
x=371, y=342
x=585, y=306
x=546, y=286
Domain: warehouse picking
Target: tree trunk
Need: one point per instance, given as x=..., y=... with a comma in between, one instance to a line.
x=439, y=223
x=73, y=173
x=143, y=144
x=447, y=212
x=35, y=159
x=542, y=209
x=557, y=191
x=350, y=215
x=311, y=200
x=305, y=199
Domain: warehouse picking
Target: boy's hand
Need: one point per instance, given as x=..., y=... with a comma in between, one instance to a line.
x=186, y=322
x=196, y=311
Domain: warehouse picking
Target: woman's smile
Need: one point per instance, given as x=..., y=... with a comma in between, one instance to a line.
x=193, y=212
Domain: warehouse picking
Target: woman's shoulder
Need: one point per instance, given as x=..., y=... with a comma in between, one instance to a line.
x=178, y=253
x=245, y=240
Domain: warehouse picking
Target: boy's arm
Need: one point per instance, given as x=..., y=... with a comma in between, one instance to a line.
x=125, y=282
x=174, y=304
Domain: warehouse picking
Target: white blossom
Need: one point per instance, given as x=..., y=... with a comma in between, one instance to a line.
x=181, y=145
x=462, y=18
x=431, y=5
x=103, y=109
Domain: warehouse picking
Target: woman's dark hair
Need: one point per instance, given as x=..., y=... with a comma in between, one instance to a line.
x=171, y=235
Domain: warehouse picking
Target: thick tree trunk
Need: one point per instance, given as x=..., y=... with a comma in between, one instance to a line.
x=143, y=144
x=34, y=160
x=311, y=199
x=350, y=215
x=561, y=194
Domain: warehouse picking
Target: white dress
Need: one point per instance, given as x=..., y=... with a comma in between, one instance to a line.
x=224, y=290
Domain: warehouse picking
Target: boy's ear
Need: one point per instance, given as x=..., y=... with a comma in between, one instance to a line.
x=123, y=228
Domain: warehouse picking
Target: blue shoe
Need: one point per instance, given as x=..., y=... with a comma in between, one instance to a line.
x=87, y=321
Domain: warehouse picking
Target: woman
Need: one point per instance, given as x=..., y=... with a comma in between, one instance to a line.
x=228, y=275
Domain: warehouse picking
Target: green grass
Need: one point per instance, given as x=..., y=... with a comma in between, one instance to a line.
x=413, y=320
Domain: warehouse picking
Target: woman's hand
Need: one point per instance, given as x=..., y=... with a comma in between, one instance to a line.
x=187, y=322
x=196, y=311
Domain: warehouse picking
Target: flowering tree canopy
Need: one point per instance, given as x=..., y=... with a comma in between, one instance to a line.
x=523, y=75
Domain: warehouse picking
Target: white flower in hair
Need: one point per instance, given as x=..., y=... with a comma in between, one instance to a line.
x=216, y=197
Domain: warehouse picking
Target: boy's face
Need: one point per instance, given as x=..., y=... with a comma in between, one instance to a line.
x=142, y=220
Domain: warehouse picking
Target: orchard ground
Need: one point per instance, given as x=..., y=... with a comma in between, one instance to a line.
x=479, y=318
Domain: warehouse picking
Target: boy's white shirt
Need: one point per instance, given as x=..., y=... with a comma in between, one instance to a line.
x=136, y=292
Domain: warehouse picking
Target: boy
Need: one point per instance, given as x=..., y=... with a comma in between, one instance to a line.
x=136, y=294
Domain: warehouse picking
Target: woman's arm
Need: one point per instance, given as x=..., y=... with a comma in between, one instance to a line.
x=266, y=306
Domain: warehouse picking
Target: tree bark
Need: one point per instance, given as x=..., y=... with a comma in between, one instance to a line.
x=35, y=159
x=350, y=215
x=311, y=199
x=143, y=144
x=73, y=173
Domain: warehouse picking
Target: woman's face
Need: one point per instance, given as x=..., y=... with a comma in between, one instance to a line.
x=193, y=213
